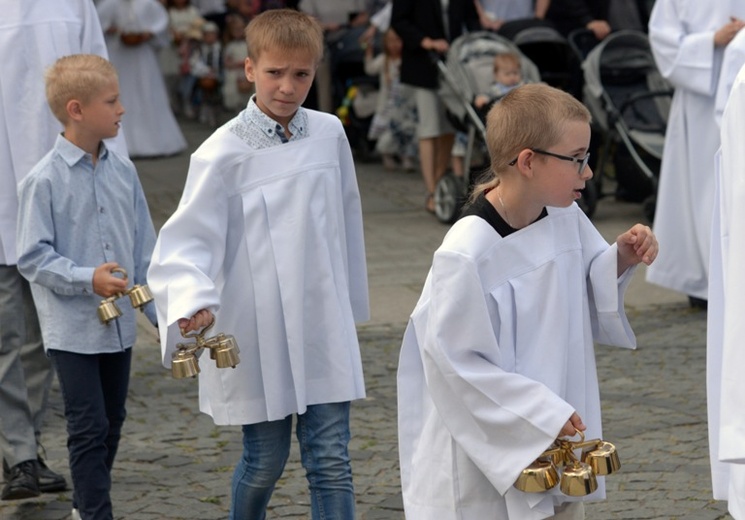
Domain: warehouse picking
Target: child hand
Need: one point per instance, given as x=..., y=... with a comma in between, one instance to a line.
x=572, y=426
x=106, y=283
x=636, y=245
x=197, y=322
x=480, y=101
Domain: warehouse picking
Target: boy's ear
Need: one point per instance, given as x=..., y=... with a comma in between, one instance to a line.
x=74, y=109
x=524, y=162
x=248, y=68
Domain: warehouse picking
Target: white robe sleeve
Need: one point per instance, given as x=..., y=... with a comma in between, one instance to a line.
x=502, y=420
x=732, y=419
x=687, y=60
x=734, y=58
x=189, y=253
x=354, y=235
x=610, y=324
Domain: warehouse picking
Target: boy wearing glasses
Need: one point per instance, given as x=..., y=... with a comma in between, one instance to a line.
x=497, y=360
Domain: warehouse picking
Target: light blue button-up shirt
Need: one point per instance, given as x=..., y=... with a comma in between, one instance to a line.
x=74, y=216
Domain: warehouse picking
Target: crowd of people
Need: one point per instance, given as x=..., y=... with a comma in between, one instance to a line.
x=474, y=408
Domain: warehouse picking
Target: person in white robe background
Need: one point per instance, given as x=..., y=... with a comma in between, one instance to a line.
x=151, y=129
x=33, y=35
x=725, y=356
x=498, y=358
x=688, y=38
x=268, y=241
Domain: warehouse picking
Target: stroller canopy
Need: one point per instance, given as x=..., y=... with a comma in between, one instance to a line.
x=469, y=68
x=624, y=88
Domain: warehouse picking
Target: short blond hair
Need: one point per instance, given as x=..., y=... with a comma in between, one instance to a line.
x=78, y=76
x=530, y=116
x=284, y=30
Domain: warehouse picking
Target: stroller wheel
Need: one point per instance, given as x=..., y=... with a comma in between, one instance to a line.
x=448, y=198
x=589, y=201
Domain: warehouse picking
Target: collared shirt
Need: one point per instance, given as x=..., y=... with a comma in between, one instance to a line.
x=258, y=130
x=73, y=217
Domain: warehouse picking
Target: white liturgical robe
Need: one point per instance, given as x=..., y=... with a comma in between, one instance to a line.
x=726, y=327
x=681, y=34
x=497, y=355
x=271, y=241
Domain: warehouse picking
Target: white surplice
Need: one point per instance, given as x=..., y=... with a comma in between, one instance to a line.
x=681, y=34
x=497, y=355
x=726, y=327
x=733, y=60
x=270, y=240
x=148, y=123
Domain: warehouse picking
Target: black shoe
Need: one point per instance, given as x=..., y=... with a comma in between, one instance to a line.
x=698, y=303
x=49, y=481
x=23, y=481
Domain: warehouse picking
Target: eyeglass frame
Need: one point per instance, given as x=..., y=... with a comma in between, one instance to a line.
x=582, y=162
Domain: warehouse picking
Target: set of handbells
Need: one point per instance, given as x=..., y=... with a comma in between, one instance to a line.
x=223, y=351
x=139, y=295
x=223, y=348
x=578, y=476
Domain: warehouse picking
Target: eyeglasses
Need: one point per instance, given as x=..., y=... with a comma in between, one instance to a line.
x=581, y=161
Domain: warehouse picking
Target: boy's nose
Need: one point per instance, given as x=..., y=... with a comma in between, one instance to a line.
x=587, y=173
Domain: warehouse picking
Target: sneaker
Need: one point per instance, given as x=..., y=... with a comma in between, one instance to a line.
x=49, y=481
x=22, y=481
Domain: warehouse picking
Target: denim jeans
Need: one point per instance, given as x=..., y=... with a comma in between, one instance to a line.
x=94, y=391
x=323, y=434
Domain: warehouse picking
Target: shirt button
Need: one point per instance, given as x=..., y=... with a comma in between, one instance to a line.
x=107, y=247
x=100, y=210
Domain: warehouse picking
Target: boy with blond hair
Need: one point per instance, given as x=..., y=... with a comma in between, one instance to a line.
x=497, y=360
x=82, y=217
x=267, y=242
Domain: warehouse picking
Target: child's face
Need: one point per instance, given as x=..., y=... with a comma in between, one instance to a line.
x=559, y=179
x=393, y=44
x=508, y=74
x=102, y=113
x=210, y=37
x=282, y=81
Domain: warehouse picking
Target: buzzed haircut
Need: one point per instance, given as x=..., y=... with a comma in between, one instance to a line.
x=284, y=30
x=530, y=116
x=78, y=76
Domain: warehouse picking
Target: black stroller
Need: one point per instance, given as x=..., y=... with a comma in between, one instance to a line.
x=630, y=102
x=467, y=71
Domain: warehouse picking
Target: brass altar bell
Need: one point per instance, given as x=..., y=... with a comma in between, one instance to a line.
x=578, y=476
x=139, y=295
x=223, y=350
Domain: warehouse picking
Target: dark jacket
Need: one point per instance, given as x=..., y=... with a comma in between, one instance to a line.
x=568, y=15
x=413, y=20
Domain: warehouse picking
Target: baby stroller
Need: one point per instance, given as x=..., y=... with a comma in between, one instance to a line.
x=467, y=71
x=630, y=102
x=550, y=51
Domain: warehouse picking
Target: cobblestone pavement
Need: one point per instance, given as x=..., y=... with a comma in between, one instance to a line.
x=174, y=464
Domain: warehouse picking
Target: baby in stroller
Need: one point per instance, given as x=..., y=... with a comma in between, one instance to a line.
x=507, y=70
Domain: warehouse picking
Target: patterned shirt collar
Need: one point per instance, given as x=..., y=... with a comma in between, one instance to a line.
x=253, y=116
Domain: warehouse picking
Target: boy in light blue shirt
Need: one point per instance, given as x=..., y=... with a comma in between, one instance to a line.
x=83, y=217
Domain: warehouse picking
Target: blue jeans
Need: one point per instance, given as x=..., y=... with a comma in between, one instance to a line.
x=94, y=391
x=323, y=434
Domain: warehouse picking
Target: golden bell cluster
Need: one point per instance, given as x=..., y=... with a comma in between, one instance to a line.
x=139, y=295
x=578, y=476
x=223, y=351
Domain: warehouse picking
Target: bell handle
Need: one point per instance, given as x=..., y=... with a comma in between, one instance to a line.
x=120, y=270
x=199, y=336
